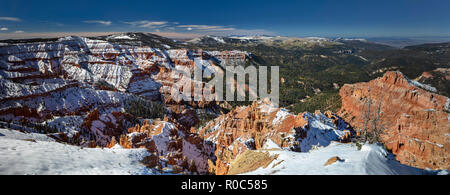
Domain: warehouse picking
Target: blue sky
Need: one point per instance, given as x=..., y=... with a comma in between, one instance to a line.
x=329, y=18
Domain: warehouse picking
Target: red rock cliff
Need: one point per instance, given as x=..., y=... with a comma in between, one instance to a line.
x=415, y=121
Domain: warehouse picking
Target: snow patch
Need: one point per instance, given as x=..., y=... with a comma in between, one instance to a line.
x=46, y=157
x=120, y=37
x=370, y=160
x=281, y=115
x=422, y=86
x=271, y=145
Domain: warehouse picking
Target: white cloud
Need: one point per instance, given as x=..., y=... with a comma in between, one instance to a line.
x=11, y=19
x=106, y=23
x=19, y=32
x=223, y=30
x=206, y=28
x=148, y=24
x=4, y=29
x=248, y=32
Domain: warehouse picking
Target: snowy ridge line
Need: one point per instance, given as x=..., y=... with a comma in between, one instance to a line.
x=77, y=100
x=15, y=127
x=371, y=159
x=37, y=154
x=30, y=96
x=422, y=86
x=418, y=84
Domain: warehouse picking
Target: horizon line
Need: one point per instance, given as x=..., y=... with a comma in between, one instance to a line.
x=180, y=35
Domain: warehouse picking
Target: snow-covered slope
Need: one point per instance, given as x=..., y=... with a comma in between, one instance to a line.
x=370, y=160
x=22, y=153
x=69, y=77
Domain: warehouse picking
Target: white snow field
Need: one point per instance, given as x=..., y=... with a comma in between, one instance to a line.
x=37, y=154
x=43, y=156
x=370, y=160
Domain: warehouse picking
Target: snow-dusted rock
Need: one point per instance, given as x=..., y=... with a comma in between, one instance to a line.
x=250, y=128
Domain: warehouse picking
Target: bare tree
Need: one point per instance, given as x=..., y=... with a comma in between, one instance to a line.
x=372, y=118
x=377, y=126
x=367, y=118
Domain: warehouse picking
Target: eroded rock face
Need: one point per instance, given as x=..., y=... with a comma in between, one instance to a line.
x=415, y=121
x=171, y=144
x=73, y=76
x=102, y=128
x=250, y=128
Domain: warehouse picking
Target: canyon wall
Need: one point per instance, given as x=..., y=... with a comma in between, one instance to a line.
x=414, y=120
x=58, y=83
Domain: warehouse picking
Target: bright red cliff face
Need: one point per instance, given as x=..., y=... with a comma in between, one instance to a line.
x=415, y=121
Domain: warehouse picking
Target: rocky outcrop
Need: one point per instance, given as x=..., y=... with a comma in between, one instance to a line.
x=103, y=128
x=251, y=127
x=444, y=73
x=415, y=121
x=438, y=78
x=173, y=146
x=249, y=161
x=332, y=160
